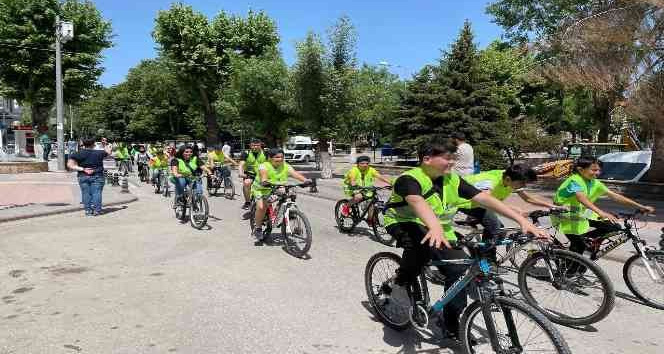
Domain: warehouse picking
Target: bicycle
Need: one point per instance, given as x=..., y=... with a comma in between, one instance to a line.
x=643, y=272
x=196, y=203
x=222, y=178
x=349, y=214
x=566, y=287
x=143, y=173
x=160, y=183
x=480, y=330
x=295, y=227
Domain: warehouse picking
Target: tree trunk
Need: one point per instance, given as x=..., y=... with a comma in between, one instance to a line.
x=210, y=119
x=603, y=105
x=656, y=173
x=39, y=115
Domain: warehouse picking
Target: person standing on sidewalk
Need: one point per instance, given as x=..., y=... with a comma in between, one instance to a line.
x=465, y=159
x=45, y=142
x=90, y=166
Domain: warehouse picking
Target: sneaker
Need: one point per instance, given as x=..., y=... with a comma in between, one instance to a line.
x=397, y=294
x=246, y=205
x=258, y=234
x=345, y=210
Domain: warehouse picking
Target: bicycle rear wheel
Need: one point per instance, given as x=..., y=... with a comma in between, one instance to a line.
x=580, y=292
x=519, y=328
x=640, y=283
x=199, y=211
x=298, y=240
x=378, y=274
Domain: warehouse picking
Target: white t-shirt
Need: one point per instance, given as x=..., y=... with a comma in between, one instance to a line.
x=465, y=164
x=226, y=149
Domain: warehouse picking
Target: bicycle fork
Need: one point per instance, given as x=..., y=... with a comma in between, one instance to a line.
x=642, y=252
x=486, y=300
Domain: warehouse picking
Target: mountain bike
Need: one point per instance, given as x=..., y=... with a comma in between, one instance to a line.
x=195, y=203
x=282, y=211
x=160, y=183
x=566, y=287
x=222, y=178
x=123, y=168
x=371, y=209
x=143, y=172
x=643, y=272
x=495, y=322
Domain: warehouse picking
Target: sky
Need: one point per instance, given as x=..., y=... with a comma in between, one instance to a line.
x=407, y=34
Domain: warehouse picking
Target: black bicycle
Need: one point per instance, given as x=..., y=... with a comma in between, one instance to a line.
x=143, y=172
x=195, y=203
x=643, y=272
x=566, y=287
x=221, y=179
x=495, y=322
x=282, y=211
x=371, y=210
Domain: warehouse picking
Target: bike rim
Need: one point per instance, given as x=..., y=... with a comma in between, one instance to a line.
x=396, y=312
x=346, y=222
x=297, y=238
x=649, y=288
x=532, y=337
x=574, y=292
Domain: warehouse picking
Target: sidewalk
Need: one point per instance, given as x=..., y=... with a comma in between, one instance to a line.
x=29, y=195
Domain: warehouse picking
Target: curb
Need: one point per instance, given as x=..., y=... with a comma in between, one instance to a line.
x=62, y=211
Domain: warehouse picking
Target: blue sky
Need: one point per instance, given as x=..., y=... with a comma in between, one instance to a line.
x=405, y=33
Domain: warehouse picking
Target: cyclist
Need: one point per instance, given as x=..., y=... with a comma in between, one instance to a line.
x=273, y=171
x=218, y=156
x=361, y=175
x=419, y=216
x=158, y=163
x=122, y=155
x=249, y=162
x=184, y=166
x=142, y=158
x=500, y=184
x=578, y=193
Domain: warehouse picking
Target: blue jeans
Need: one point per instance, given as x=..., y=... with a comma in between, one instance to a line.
x=91, y=188
x=181, y=183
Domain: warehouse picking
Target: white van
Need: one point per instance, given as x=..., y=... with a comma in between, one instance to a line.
x=300, y=149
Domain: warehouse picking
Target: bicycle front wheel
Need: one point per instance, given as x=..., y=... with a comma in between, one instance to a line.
x=575, y=292
x=229, y=188
x=199, y=212
x=641, y=283
x=380, y=233
x=343, y=215
x=517, y=327
x=297, y=234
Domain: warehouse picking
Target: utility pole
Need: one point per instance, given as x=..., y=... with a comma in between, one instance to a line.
x=64, y=31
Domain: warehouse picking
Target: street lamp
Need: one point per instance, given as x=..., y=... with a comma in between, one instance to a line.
x=64, y=31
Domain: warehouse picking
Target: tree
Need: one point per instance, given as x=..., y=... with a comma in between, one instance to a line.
x=259, y=93
x=27, y=34
x=309, y=80
x=201, y=51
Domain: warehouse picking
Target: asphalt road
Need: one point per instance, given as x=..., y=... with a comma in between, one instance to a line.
x=136, y=281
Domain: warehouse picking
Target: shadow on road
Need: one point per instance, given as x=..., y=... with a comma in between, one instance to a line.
x=110, y=210
x=631, y=298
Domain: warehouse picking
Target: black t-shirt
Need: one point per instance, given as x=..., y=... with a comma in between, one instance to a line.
x=197, y=171
x=407, y=185
x=88, y=158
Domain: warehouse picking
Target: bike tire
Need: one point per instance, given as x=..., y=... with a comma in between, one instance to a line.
x=474, y=310
x=305, y=232
x=198, y=218
x=380, y=233
x=343, y=227
x=267, y=223
x=180, y=211
x=374, y=288
x=229, y=188
x=527, y=271
x=630, y=266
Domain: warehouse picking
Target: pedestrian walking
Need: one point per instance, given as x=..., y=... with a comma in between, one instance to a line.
x=465, y=159
x=45, y=142
x=226, y=149
x=90, y=166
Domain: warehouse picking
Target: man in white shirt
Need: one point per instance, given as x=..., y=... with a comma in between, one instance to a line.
x=226, y=149
x=465, y=163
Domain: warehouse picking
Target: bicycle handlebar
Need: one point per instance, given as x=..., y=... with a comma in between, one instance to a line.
x=370, y=188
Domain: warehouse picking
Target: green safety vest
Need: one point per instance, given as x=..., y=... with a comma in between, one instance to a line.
x=159, y=163
x=364, y=180
x=187, y=169
x=217, y=157
x=122, y=153
x=274, y=176
x=443, y=201
x=252, y=161
x=575, y=222
x=495, y=179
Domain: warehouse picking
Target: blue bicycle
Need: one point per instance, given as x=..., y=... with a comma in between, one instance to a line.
x=494, y=323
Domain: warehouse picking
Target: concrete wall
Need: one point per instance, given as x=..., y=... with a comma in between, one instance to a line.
x=23, y=167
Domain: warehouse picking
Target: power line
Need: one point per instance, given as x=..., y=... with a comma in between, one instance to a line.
x=12, y=45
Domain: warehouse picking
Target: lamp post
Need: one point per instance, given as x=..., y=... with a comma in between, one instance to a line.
x=64, y=31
